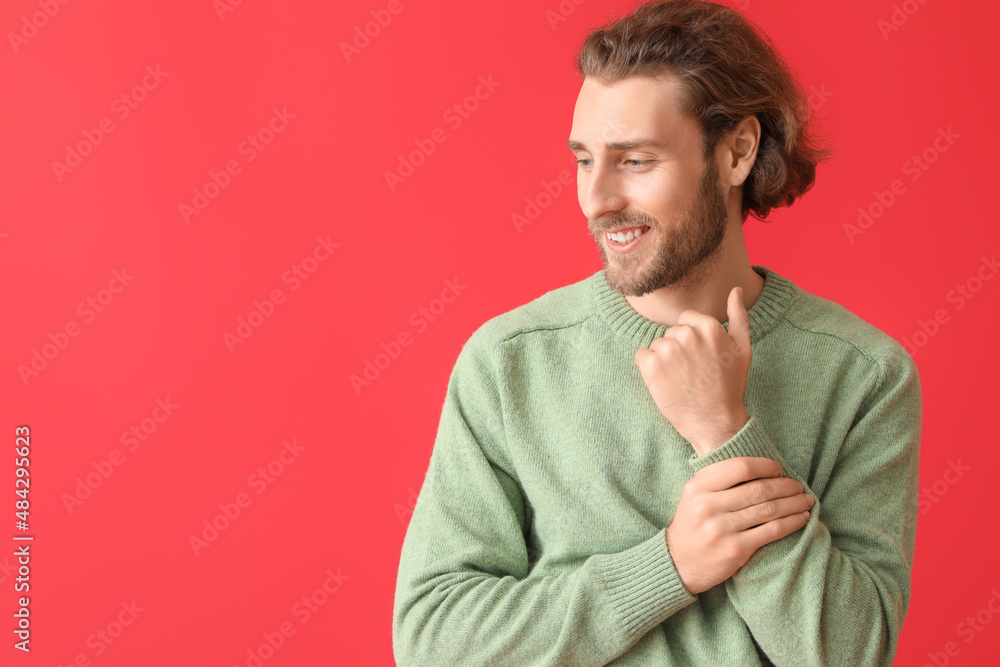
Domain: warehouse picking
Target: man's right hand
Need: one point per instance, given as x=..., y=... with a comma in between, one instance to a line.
x=721, y=521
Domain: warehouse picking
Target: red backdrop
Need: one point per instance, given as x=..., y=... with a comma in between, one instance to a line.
x=218, y=215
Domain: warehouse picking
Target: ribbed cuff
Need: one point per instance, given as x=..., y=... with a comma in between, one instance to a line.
x=644, y=585
x=751, y=440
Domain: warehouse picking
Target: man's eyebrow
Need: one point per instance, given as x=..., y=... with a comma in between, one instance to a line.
x=638, y=142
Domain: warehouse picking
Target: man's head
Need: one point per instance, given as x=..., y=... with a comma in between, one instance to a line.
x=727, y=125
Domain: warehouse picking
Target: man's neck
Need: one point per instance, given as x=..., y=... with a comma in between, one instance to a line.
x=710, y=295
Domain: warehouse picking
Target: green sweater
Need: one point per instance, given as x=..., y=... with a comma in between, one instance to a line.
x=539, y=533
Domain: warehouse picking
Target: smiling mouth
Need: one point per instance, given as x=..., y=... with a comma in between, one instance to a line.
x=626, y=235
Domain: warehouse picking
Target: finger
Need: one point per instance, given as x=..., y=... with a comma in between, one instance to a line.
x=755, y=538
x=640, y=354
x=697, y=319
x=663, y=340
x=675, y=330
x=770, y=510
x=760, y=491
x=646, y=359
x=729, y=472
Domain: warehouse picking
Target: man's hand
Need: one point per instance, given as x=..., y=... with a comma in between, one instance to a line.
x=697, y=374
x=720, y=521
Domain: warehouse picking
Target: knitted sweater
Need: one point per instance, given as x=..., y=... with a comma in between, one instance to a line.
x=539, y=533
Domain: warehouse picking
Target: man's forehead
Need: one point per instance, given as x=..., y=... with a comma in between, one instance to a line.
x=663, y=91
x=634, y=110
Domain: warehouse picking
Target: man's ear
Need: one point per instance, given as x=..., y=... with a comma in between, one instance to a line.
x=741, y=151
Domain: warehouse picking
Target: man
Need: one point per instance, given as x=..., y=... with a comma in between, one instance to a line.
x=684, y=459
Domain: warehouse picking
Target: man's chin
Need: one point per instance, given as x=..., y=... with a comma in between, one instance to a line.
x=624, y=282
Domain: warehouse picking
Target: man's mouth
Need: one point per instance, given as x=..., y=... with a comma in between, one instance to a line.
x=626, y=234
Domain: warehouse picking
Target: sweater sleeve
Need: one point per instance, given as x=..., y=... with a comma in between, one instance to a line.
x=836, y=591
x=464, y=592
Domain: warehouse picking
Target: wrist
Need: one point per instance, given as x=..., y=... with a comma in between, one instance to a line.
x=724, y=433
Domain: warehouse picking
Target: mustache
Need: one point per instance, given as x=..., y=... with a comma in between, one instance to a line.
x=618, y=223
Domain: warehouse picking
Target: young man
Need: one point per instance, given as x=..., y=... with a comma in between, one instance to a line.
x=683, y=459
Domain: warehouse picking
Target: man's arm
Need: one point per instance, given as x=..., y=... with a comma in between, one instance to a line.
x=836, y=592
x=463, y=594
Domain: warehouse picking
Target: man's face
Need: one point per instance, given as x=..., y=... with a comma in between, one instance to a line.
x=663, y=183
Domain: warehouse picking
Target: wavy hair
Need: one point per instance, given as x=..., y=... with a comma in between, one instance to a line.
x=728, y=70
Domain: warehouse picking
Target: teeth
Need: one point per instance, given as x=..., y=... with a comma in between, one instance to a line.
x=626, y=238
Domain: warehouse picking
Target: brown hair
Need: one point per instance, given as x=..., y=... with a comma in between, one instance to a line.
x=727, y=70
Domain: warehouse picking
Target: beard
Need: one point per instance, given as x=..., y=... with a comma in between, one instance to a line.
x=680, y=257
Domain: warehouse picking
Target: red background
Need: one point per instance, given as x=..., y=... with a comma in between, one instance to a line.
x=343, y=503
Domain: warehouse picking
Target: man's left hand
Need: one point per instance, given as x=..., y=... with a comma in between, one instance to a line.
x=697, y=374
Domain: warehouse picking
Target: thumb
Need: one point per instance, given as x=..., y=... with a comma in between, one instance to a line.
x=739, y=319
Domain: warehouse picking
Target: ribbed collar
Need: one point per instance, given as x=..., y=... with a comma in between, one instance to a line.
x=625, y=321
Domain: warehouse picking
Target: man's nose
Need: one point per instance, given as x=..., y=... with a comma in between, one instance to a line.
x=601, y=193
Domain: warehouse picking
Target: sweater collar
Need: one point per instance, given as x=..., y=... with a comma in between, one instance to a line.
x=627, y=323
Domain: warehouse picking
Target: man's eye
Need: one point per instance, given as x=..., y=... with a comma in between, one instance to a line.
x=634, y=163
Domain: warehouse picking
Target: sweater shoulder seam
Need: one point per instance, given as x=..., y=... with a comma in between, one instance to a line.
x=542, y=327
x=877, y=361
